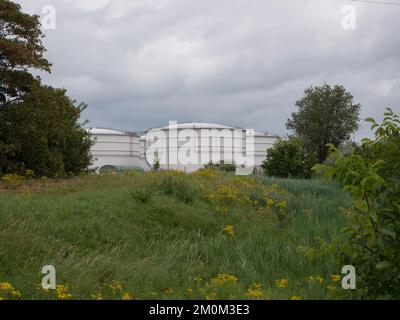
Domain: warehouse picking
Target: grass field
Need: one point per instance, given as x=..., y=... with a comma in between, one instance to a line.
x=170, y=235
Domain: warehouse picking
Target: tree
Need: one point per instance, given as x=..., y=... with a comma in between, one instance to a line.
x=326, y=115
x=287, y=159
x=21, y=49
x=39, y=125
x=46, y=135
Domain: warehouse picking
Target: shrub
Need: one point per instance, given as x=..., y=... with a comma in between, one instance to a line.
x=287, y=159
x=372, y=174
x=143, y=194
x=12, y=180
x=174, y=184
x=222, y=166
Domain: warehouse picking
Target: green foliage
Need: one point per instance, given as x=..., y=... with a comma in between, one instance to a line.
x=221, y=166
x=21, y=51
x=143, y=194
x=44, y=134
x=39, y=125
x=176, y=184
x=372, y=174
x=325, y=115
x=288, y=159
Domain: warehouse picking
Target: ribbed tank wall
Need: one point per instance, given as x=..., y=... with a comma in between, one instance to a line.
x=175, y=148
x=116, y=150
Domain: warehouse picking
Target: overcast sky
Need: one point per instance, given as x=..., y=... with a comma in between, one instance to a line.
x=141, y=63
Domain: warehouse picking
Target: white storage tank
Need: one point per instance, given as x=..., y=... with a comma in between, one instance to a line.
x=262, y=142
x=190, y=146
x=185, y=146
x=114, y=148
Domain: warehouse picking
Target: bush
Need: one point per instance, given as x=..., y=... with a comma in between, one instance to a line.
x=372, y=174
x=12, y=180
x=222, y=166
x=174, y=184
x=287, y=159
x=143, y=194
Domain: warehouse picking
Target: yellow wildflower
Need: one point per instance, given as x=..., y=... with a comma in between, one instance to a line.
x=169, y=291
x=64, y=296
x=269, y=202
x=6, y=286
x=229, y=230
x=61, y=288
x=190, y=290
x=211, y=296
x=282, y=283
x=335, y=277
x=126, y=296
x=319, y=279
x=332, y=288
x=62, y=292
x=255, y=291
x=282, y=205
x=224, y=278
x=115, y=286
x=16, y=293
x=96, y=296
x=256, y=294
x=296, y=298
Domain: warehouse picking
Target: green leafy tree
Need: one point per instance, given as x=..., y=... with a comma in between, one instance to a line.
x=21, y=50
x=39, y=125
x=372, y=174
x=46, y=135
x=287, y=159
x=325, y=115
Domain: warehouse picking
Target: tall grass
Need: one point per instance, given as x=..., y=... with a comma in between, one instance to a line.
x=161, y=236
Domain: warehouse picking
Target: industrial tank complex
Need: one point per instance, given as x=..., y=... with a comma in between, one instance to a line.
x=184, y=146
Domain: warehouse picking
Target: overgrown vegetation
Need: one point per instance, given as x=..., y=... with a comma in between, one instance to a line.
x=169, y=235
x=372, y=174
x=222, y=166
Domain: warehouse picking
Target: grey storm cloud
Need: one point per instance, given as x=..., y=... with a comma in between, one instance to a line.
x=141, y=63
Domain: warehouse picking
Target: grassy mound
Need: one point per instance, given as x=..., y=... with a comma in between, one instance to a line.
x=170, y=235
